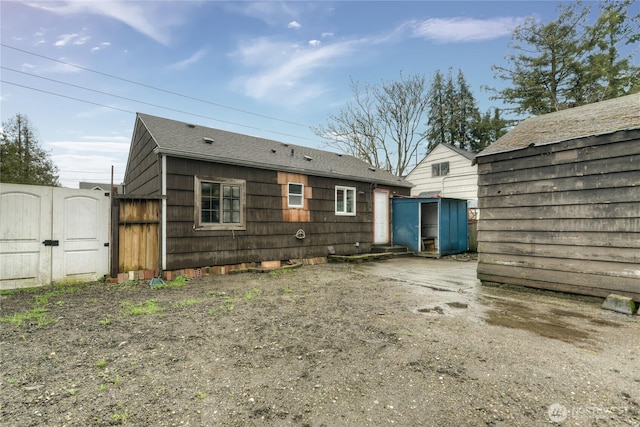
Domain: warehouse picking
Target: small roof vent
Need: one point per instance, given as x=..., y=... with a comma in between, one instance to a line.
x=207, y=140
x=372, y=169
x=307, y=158
x=189, y=125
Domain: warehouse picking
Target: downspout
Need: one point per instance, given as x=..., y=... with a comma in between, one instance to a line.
x=163, y=239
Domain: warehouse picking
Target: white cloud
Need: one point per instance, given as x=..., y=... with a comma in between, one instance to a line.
x=324, y=35
x=153, y=19
x=314, y=42
x=65, y=39
x=189, y=61
x=100, y=46
x=285, y=72
x=102, y=145
x=59, y=67
x=465, y=29
x=294, y=25
x=82, y=40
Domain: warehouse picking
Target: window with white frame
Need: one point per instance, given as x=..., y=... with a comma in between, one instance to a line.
x=295, y=195
x=345, y=200
x=440, y=169
x=219, y=204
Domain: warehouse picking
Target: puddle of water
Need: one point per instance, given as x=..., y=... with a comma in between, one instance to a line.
x=516, y=315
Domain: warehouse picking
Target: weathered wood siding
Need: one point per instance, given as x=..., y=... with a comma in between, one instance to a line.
x=143, y=169
x=138, y=236
x=460, y=183
x=270, y=227
x=563, y=216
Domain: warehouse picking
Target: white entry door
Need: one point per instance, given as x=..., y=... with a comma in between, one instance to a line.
x=50, y=234
x=380, y=217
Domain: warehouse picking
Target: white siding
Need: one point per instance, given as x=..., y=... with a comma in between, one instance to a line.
x=460, y=183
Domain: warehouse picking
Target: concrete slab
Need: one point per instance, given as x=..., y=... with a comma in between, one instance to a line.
x=620, y=304
x=437, y=274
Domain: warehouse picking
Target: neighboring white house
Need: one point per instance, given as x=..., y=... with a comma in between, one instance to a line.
x=446, y=172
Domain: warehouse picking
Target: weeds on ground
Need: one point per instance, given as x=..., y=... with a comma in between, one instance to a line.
x=178, y=282
x=39, y=312
x=145, y=307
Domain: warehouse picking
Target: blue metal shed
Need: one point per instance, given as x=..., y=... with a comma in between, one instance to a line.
x=436, y=226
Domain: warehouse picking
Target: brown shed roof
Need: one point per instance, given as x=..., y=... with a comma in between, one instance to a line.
x=180, y=139
x=588, y=120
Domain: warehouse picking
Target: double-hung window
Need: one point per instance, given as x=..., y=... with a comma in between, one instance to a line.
x=440, y=169
x=220, y=204
x=295, y=195
x=345, y=200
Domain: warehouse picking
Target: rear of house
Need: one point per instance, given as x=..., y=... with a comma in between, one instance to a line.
x=228, y=198
x=559, y=197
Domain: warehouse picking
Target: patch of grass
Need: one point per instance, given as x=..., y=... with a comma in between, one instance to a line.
x=288, y=290
x=39, y=314
x=127, y=284
x=227, y=304
x=121, y=417
x=280, y=272
x=102, y=387
x=104, y=322
x=253, y=293
x=8, y=292
x=101, y=363
x=201, y=395
x=72, y=391
x=178, y=282
x=145, y=307
x=188, y=302
x=59, y=303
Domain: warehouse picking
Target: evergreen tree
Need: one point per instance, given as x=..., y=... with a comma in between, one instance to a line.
x=22, y=160
x=567, y=62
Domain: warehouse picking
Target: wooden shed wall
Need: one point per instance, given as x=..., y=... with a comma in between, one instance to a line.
x=270, y=229
x=564, y=216
x=143, y=170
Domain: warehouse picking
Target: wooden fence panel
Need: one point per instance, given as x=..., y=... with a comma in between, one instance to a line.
x=138, y=234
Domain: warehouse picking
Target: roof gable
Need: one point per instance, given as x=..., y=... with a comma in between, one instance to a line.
x=187, y=140
x=588, y=120
x=442, y=146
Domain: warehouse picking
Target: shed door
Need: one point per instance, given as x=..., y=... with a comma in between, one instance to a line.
x=25, y=222
x=381, y=217
x=81, y=224
x=52, y=234
x=406, y=223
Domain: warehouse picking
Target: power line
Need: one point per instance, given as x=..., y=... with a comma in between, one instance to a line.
x=133, y=100
x=153, y=87
x=66, y=96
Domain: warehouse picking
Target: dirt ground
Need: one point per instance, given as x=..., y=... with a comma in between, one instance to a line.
x=323, y=345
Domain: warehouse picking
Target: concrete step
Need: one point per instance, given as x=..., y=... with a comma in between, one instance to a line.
x=389, y=249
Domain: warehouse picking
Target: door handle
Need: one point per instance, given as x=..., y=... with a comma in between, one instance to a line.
x=51, y=243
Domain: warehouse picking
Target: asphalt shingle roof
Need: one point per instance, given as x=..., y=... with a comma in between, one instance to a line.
x=594, y=119
x=187, y=140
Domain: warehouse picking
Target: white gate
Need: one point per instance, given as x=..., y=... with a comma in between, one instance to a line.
x=51, y=234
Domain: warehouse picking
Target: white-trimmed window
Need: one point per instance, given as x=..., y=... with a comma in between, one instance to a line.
x=345, y=200
x=219, y=204
x=295, y=195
